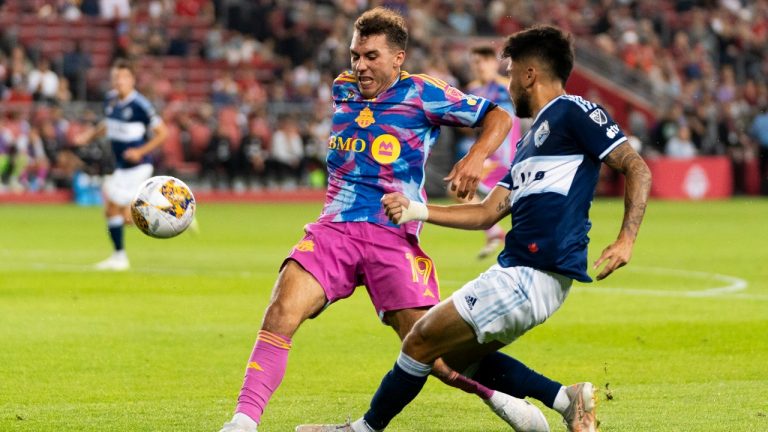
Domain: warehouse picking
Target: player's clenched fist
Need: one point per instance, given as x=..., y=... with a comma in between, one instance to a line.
x=400, y=209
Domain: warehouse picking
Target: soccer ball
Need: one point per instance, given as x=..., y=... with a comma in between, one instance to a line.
x=164, y=207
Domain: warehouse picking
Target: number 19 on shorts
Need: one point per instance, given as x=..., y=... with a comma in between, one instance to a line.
x=421, y=268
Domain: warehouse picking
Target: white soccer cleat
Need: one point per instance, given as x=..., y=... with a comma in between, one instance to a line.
x=358, y=426
x=522, y=415
x=116, y=262
x=580, y=415
x=240, y=423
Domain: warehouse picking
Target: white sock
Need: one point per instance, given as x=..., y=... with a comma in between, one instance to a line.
x=243, y=420
x=495, y=400
x=561, y=402
x=120, y=254
x=115, y=221
x=360, y=425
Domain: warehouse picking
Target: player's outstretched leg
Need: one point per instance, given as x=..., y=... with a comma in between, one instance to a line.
x=297, y=296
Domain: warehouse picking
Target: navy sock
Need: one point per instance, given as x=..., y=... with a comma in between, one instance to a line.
x=397, y=389
x=507, y=375
x=116, y=234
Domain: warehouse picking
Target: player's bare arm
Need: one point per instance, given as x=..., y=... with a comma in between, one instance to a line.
x=90, y=134
x=159, y=134
x=465, y=175
x=637, y=188
x=471, y=216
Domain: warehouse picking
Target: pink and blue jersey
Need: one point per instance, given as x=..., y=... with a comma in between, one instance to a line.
x=381, y=145
x=497, y=165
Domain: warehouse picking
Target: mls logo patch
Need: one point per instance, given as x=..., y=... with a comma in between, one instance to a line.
x=599, y=117
x=541, y=134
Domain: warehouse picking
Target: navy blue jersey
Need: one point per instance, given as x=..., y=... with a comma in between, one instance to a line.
x=128, y=122
x=552, y=183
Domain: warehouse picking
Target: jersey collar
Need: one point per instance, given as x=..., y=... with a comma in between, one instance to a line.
x=545, y=108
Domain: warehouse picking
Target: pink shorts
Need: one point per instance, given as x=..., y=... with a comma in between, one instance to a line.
x=393, y=268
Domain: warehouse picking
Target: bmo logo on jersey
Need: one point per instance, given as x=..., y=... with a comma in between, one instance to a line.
x=385, y=149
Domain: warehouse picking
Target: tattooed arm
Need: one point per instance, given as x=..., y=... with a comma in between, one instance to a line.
x=637, y=187
x=472, y=216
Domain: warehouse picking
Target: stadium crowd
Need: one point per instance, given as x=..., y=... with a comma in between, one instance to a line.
x=245, y=85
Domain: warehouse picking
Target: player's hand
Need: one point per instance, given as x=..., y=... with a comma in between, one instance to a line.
x=465, y=176
x=394, y=203
x=133, y=155
x=616, y=255
x=400, y=209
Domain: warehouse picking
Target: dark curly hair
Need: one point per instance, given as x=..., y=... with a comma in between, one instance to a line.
x=546, y=43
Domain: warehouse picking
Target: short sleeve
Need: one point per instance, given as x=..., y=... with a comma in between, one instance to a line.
x=597, y=133
x=445, y=105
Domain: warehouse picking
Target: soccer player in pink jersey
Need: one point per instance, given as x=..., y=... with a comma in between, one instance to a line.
x=385, y=123
x=489, y=84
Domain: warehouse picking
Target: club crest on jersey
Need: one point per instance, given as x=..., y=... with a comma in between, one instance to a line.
x=599, y=117
x=127, y=113
x=541, y=134
x=365, y=118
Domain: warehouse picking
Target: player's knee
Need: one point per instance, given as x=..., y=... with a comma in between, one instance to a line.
x=419, y=345
x=283, y=317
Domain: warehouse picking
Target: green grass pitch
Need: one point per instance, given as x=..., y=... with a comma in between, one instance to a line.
x=679, y=337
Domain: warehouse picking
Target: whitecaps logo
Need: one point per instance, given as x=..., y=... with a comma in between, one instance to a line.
x=541, y=134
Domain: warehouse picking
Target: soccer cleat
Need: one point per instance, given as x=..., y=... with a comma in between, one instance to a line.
x=114, y=263
x=240, y=423
x=522, y=415
x=491, y=246
x=358, y=426
x=580, y=415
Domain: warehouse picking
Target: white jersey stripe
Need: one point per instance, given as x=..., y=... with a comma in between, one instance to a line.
x=125, y=131
x=540, y=174
x=612, y=146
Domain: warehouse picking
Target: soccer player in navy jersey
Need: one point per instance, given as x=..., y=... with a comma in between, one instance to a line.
x=547, y=192
x=134, y=130
x=384, y=125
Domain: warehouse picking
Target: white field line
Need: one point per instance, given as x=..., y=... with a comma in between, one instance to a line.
x=730, y=285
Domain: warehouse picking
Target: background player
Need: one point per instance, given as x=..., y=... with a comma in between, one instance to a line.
x=385, y=122
x=488, y=83
x=129, y=119
x=548, y=193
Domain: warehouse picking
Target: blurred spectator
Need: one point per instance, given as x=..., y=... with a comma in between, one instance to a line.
x=63, y=93
x=680, y=146
x=218, y=161
x=759, y=131
x=252, y=155
x=225, y=90
x=74, y=66
x=287, y=152
x=114, y=9
x=179, y=45
x=32, y=161
x=43, y=83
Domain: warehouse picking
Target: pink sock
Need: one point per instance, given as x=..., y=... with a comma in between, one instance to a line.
x=264, y=372
x=468, y=385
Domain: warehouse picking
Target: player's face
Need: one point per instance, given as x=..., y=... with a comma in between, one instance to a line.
x=519, y=83
x=122, y=81
x=484, y=68
x=376, y=65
